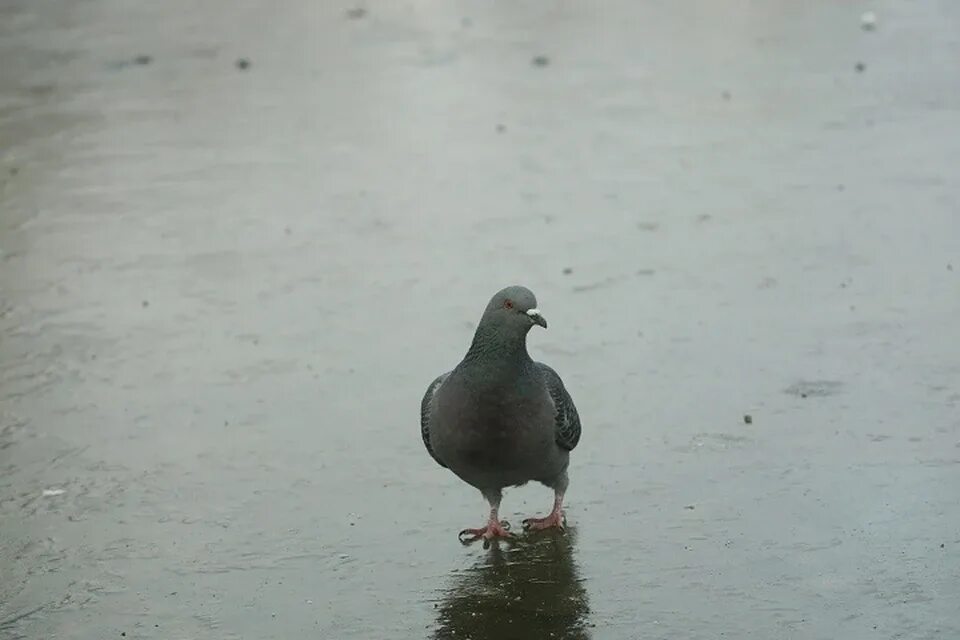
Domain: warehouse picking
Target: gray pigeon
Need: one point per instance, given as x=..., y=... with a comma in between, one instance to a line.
x=499, y=419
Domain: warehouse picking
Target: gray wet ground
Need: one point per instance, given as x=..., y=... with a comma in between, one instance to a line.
x=225, y=289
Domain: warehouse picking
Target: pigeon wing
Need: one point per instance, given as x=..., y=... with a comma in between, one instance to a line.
x=566, y=418
x=426, y=414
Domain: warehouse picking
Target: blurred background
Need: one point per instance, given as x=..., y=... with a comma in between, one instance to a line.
x=238, y=239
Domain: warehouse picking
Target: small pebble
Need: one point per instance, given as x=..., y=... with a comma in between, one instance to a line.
x=941, y=545
x=860, y=67
x=143, y=59
x=567, y=271
x=803, y=395
x=145, y=304
x=501, y=128
x=690, y=507
x=949, y=267
x=540, y=61
x=243, y=64
x=868, y=21
x=748, y=419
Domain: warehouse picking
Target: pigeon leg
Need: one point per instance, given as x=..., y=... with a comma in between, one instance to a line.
x=555, y=519
x=495, y=528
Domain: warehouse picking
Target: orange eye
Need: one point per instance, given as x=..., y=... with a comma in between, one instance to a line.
x=508, y=304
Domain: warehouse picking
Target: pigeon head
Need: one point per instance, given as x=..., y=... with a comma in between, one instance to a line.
x=514, y=307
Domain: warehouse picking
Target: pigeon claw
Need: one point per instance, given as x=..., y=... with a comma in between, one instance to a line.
x=553, y=521
x=492, y=531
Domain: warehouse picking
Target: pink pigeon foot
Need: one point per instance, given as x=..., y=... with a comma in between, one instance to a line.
x=555, y=519
x=492, y=531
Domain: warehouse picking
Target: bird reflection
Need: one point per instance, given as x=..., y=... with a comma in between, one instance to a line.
x=527, y=590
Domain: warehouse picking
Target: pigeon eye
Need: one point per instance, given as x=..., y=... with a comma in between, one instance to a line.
x=508, y=304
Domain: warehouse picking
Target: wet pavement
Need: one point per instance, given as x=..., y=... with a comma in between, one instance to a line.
x=237, y=241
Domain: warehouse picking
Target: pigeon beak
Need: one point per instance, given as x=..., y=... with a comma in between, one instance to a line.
x=536, y=318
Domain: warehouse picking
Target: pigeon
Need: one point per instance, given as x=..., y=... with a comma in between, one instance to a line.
x=500, y=419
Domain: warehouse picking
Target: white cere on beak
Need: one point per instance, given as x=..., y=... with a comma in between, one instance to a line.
x=536, y=318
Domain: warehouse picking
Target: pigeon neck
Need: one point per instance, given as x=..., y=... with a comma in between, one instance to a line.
x=498, y=344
